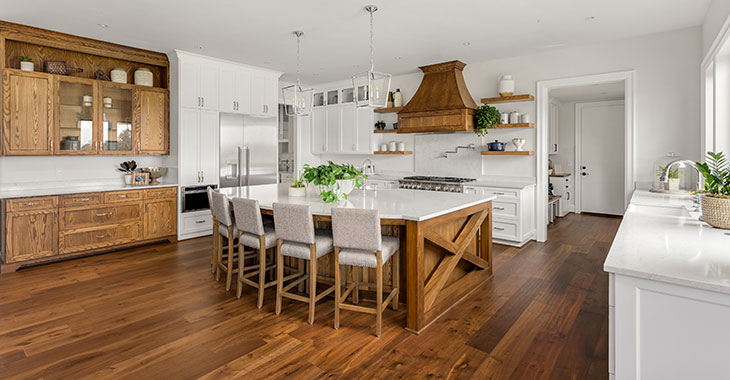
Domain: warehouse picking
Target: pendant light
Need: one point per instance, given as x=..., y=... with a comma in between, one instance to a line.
x=298, y=101
x=371, y=88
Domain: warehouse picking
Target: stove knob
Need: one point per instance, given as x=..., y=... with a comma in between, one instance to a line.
x=436, y=188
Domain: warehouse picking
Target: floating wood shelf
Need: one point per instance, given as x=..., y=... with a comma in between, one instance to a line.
x=389, y=152
x=388, y=110
x=509, y=99
x=386, y=131
x=516, y=125
x=507, y=153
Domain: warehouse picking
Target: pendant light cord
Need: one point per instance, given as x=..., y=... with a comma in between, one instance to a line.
x=372, y=61
x=299, y=34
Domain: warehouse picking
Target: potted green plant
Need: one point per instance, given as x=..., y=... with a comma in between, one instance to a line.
x=128, y=168
x=715, y=199
x=334, y=181
x=673, y=183
x=298, y=187
x=26, y=63
x=485, y=117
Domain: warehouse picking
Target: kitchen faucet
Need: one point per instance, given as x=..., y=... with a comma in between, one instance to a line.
x=368, y=167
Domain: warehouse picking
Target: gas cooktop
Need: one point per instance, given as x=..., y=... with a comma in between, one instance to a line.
x=448, y=184
x=439, y=179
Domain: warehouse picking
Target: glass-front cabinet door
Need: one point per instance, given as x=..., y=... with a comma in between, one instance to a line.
x=116, y=119
x=75, y=117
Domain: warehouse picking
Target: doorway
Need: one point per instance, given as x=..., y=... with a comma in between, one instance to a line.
x=619, y=153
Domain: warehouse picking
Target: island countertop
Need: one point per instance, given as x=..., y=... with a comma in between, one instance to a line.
x=415, y=205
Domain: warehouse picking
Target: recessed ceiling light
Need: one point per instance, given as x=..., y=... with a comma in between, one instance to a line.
x=267, y=62
x=397, y=57
x=200, y=47
x=466, y=43
x=103, y=25
x=355, y=66
x=589, y=18
x=539, y=20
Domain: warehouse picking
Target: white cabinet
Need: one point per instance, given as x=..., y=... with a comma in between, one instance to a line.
x=235, y=89
x=264, y=94
x=198, y=83
x=198, y=147
x=356, y=129
x=338, y=127
x=563, y=186
x=334, y=126
x=513, y=221
x=319, y=130
x=554, y=122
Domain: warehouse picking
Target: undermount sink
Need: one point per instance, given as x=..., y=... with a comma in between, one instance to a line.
x=677, y=211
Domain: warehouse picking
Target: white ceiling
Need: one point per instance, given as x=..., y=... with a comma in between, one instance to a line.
x=408, y=33
x=590, y=93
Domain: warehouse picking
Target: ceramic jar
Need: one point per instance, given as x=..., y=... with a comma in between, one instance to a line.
x=26, y=66
x=383, y=147
x=143, y=77
x=87, y=100
x=119, y=76
x=525, y=118
x=392, y=146
x=401, y=147
x=514, y=117
x=506, y=86
x=504, y=118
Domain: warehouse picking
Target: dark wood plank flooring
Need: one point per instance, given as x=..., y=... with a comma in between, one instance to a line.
x=157, y=313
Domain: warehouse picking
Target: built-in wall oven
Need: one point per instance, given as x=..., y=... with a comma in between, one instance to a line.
x=195, y=198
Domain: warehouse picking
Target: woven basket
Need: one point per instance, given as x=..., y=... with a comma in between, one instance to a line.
x=716, y=211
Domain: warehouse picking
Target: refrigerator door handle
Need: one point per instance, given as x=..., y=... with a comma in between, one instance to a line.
x=248, y=166
x=238, y=167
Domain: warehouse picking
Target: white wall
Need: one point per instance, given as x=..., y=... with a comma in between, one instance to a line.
x=715, y=17
x=667, y=102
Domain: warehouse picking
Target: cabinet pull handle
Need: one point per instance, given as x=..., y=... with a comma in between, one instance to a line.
x=568, y=193
x=122, y=196
x=200, y=221
x=499, y=228
x=499, y=208
x=139, y=146
x=32, y=203
x=497, y=193
x=202, y=100
x=82, y=199
x=103, y=236
x=199, y=104
x=104, y=214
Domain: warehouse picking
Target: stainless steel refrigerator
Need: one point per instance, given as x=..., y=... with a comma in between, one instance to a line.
x=248, y=150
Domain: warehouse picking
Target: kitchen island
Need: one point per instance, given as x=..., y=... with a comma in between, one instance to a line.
x=446, y=240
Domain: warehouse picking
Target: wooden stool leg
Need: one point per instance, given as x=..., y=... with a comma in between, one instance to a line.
x=219, y=260
x=214, y=254
x=302, y=270
x=241, y=268
x=262, y=270
x=229, y=274
x=279, y=276
x=338, y=279
x=356, y=291
x=396, y=278
x=312, y=281
x=379, y=295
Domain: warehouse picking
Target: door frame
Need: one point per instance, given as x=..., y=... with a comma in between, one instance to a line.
x=578, y=151
x=543, y=98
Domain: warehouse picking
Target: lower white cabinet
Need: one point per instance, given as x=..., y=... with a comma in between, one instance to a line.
x=195, y=224
x=381, y=184
x=563, y=186
x=513, y=221
x=198, y=147
x=667, y=331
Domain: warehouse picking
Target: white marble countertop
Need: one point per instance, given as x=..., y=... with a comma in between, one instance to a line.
x=660, y=240
x=405, y=204
x=73, y=189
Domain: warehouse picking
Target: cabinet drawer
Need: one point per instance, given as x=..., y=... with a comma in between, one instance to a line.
x=504, y=208
x=504, y=230
x=89, y=217
x=500, y=192
x=197, y=223
x=80, y=200
x=122, y=196
x=30, y=204
x=164, y=192
x=100, y=237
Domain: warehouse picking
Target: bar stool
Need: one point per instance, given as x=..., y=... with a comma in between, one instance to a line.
x=359, y=243
x=297, y=238
x=222, y=213
x=253, y=233
x=216, y=237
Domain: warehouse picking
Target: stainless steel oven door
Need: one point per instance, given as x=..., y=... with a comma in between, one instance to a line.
x=195, y=198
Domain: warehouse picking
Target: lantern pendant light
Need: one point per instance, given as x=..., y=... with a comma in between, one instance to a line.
x=371, y=88
x=298, y=101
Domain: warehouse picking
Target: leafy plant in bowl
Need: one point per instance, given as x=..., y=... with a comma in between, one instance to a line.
x=26, y=63
x=128, y=168
x=485, y=117
x=334, y=181
x=716, y=195
x=298, y=187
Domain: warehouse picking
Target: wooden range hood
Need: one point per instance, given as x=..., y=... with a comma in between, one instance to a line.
x=442, y=102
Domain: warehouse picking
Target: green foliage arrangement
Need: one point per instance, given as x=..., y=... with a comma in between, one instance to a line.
x=299, y=181
x=485, y=117
x=25, y=58
x=127, y=167
x=716, y=172
x=327, y=175
x=673, y=172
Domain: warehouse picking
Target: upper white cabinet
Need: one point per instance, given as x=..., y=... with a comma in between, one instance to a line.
x=198, y=83
x=235, y=89
x=338, y=127
x=264, y=94
x=319, y=130
x=554, y=116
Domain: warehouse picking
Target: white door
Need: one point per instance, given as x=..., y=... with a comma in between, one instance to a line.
x=601, y=168
x=208, y=141
x=243, y=91
x=209, y=85
x=334, y=122
x=227, y=89
x=189, y=83
x=319, y=130
x=189, y=149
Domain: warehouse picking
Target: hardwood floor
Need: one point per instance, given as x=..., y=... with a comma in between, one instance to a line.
x=157, y=312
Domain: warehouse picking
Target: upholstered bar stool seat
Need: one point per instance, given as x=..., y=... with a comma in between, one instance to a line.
x=297, y=238
x=359, y=243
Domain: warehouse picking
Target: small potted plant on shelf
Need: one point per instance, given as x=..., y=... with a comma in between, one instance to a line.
x=128, y=168
x=26, y=63
x=334, y=181
x=673, y=183
x=716, y=196
x=485, y=117
x=299, y=187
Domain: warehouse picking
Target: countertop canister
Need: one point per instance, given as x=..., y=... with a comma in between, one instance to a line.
x=118, y=75
x=143, y=77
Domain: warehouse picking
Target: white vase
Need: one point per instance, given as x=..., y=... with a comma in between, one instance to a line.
x=518, y=143
x=341, y=187
x=297, y=191
x=26, y=66
x=506, y=86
